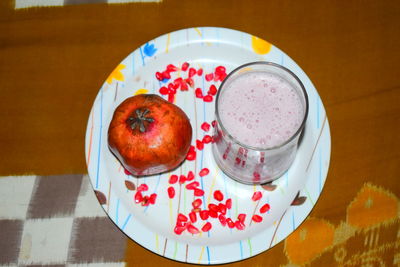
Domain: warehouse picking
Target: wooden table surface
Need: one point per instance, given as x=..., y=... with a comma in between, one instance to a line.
x=54, y=60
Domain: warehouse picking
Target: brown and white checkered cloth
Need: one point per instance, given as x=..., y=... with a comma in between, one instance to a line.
x=55, y=220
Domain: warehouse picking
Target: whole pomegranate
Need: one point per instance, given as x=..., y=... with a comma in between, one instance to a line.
x=149, y=135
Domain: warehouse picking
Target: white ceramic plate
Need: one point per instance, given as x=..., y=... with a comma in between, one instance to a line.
x=152, y=226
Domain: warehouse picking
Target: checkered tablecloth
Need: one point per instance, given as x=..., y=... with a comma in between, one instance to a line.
x=56, y=220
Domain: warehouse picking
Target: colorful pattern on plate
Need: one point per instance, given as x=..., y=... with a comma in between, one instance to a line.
x=152, y=226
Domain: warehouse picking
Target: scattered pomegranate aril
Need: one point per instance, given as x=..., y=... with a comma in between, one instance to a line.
x=222, y=208
x=213, y=123
x=228, y=203
x=185, y=66
x=209, y=77
x=191, y=155
x=127, y=172
x=265, y=208
x=179, y=230
x=182, y=179
x=190, y=176
x=171, y=192
x=182, y=218
x=218, y=195
x=142, y=187
x=222, y=219
x=171, y=97
x=198, y=92
x=239, y=225
x=192, y=229
x=159, y=76
x=177, y=82
x=213, y=214
x=192, y=72
x=208, y=98
x=230, y=223
x=206, y=227
x=207, y=139
x=213, y=90
x=200, y=72
x=220, y=69
x=213, y=207
x=193, y=217
x=166, y=75
x=256, y=196
x=222, y=76
x=190, y=82
x=173, y=179
x=163, y=90
x=171, y=68
x=198, y=192
x=184, y=87
x=152, y=198
x=257, y=218
x=138, y=197
x=192, y=185
x=217, y=77
x=145, y=201
x=242, y=217
x=197, y=203
x=204, y=214
x=204, y=172
x=199, y=145
x=205, y=126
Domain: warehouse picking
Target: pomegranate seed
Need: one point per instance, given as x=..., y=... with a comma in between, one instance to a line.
x=198, y=192
x=145, y=201
x=177, y=82
x=218, y=195
x=199, y=145
x=242, y=217
x=171, y=97
x=230, y=223
x=256, y=196
x=200, y=72
x=192, y=72
x=179, y=229
x=173, y=179
x=171, y=88
x=182, y=179
x=222, y=76
x=163, y=90
x=217, y=77
x=138, y=197
x=207, y=139
x=159, y=76
x=222, y=219
x=222, y=208
x=184, y=87
x=220, y=69
x=190, y=82
x=239, y=225
x=204, y=172
x=152, y=198
x=257, y=218
x=127, y=172
x=181, y=223
x=166, y=75
x=208, y=98
x=205, y=126
x=228, y=203
x=171, y=192
x=213, y=207
x=265, y=208
x=206, y=227
x=209, y=77
x=237, y=161
x=212, y=90
x=182, y=218
x=193, y=217
x=204, y=214
x=171, y=67
x=192, y=185
x=142, y=187
x=191, y=155
x=213, y=123
x=185, y=66
x=192, y=148
x=198, y=92
x=197, y=203
x=192, y=229
x=256, y=176
x=190, y=176
x=212, y=214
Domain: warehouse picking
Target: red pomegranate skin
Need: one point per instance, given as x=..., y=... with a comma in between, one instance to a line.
x=149, y=135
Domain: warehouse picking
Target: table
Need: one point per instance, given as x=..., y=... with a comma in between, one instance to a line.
x=53, y=60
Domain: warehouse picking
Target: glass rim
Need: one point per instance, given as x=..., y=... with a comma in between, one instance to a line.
x=298, y=131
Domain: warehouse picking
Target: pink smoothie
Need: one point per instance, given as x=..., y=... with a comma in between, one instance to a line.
x=260, y=109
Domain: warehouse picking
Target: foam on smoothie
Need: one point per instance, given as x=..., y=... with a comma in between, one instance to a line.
x=260, y=109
